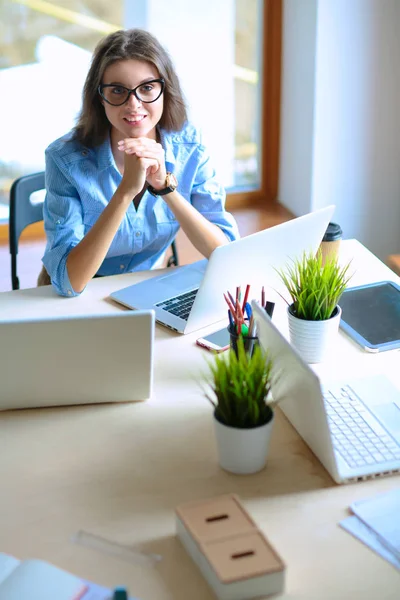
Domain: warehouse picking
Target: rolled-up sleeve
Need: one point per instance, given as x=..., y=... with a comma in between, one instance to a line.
x=208, y=197
x=63, y=224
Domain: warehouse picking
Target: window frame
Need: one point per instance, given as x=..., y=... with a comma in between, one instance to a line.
x=271, y=54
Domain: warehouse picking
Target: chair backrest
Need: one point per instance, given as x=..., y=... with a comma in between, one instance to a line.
x=23, y=213
x=173, y=259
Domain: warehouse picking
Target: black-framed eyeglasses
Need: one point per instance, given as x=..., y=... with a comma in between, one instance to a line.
x=146, y=92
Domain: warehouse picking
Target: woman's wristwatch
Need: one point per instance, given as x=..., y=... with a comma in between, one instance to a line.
x=171, y=183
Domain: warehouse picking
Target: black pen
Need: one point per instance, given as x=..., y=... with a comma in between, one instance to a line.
x=269, y=308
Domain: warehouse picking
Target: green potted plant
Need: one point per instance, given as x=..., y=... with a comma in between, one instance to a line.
x=315, y=288
x=238, y=387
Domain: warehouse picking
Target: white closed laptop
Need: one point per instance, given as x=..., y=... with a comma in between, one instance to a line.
x=191, y=297
x=353, y=427
x=76, y=360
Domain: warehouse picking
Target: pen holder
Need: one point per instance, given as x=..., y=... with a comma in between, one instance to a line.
x=249, y=341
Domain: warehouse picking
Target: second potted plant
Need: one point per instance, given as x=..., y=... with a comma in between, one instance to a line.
x=314, y=314
x=243, y=415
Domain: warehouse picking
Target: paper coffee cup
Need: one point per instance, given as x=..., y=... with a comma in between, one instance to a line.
x=330, y=244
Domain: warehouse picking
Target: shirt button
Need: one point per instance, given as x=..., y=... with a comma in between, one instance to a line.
x=69, y=293
x=121, y=266
x=85, y=152
x=58, y=222
x=138, y=234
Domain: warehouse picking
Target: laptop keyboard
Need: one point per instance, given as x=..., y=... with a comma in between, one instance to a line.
x=180, y=305
x=356, y=435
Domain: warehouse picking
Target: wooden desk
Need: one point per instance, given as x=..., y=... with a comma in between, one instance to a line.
x=118, y=471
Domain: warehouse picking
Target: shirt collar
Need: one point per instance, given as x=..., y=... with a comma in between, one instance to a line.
x=166, y=143
x=105, y=158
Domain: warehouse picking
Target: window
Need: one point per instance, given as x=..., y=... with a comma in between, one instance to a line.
x=216, y=46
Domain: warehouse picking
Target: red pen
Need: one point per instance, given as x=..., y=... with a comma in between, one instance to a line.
x=240, y=313
x=81, y=593
x=231, y=307
x=246, y=295
x=262, y=296
x=238, y=293
x=231, y=298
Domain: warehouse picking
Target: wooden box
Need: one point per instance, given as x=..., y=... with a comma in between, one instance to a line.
x=232, y=554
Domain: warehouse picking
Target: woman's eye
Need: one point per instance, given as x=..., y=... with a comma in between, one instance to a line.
x=117, y=90
x=146, y=88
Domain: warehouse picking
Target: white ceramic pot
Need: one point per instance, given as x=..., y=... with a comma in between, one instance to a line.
x=312, y=339
x=242, y=451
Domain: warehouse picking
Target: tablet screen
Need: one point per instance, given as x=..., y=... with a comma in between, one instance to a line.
x=373, y=311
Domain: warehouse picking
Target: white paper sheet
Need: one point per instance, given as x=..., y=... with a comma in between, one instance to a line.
x=7, y=565
x=357, y=528
x=382, y=514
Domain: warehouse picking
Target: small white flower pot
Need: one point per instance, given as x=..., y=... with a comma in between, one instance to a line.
x=242, y=451
x=312, y=339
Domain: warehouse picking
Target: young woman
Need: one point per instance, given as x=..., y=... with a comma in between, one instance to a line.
x=131, y=173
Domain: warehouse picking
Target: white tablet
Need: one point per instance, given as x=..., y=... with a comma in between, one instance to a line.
x=371, y=315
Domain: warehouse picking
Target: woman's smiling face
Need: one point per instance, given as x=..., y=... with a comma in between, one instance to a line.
x=134, y=118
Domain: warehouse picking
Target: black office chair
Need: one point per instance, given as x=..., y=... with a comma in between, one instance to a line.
x=173, y=259
x=24, y=213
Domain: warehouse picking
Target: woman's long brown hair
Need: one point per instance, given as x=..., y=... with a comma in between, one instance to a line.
x=93, y=126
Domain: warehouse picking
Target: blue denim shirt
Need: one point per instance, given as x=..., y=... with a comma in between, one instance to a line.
x=81, y=181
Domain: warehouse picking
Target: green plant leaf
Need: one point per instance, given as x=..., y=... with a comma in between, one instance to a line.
x=240, y=385
x=315, y=289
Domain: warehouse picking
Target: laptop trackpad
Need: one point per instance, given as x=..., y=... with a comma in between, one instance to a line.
x=187, y=280
x=389, y=416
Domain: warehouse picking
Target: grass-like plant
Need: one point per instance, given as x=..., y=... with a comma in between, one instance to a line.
x=315, y=288
x=240, y=386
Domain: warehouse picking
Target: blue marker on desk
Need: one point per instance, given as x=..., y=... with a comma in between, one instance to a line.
x=120, y=594
x=248, y=310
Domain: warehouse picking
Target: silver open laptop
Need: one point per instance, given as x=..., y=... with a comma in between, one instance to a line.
x=76, y=360
x=191, y=297
x=353, y=427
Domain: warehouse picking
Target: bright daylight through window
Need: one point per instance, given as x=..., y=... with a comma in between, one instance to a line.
x=45, y=50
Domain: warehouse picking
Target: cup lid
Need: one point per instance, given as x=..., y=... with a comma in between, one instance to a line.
x=333, y=233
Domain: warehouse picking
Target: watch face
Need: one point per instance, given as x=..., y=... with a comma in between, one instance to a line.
x=172, y=180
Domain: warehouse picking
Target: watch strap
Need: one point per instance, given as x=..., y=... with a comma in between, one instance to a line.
x=154, y=192
x=166, y=190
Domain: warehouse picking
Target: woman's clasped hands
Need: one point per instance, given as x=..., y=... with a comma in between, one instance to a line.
x=143, y=161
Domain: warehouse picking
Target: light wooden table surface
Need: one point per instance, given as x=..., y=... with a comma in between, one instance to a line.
x=118, y=471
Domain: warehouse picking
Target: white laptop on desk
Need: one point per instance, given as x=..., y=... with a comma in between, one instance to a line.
x=353, y=427
x=191, y=297
x=76, y=360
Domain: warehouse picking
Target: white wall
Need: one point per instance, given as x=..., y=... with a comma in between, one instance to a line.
x=297, y=123
x=354, y=133
x=200, y=39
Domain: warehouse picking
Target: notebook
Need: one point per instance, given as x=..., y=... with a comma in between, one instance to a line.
x=39, y=580
x=353, y=427
x=76, y=360
x=191, y=297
